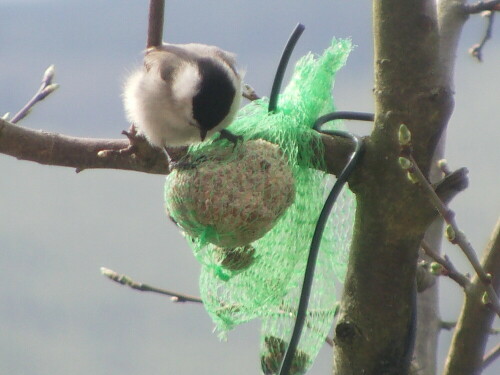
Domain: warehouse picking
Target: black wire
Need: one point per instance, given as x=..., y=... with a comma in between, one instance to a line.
x=280, y=72
x=320, y=225
x=342, y=115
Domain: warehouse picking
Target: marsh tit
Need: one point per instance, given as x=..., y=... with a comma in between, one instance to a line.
x=183, y=94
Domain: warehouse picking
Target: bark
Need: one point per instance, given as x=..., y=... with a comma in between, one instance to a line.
x=474, y=324
x=83, y=153
x=428, y=318
x=374, y=332
x=471, y=334
x=79, y=153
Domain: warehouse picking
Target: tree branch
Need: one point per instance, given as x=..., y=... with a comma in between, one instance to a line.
x=474, y=325
x=452, y=184
x=453, y=233
x=451, y=325
x=477, y=49
x=125, y=280
x=482, y=6
x=155, y=23
x=491, y=356
x=447, y=268
x=79, y=153
x=46, y=88
x=91, y=153
x=451, y=19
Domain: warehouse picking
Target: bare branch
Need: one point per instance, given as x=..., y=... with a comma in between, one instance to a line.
x=46, y=88
x=474, y=325
x=491, y=356
x=155, y=23
x=447, y=325
x=454, y=234
x=482, y=6
x=451, y=325
x=125, y=280
x=448, y=269
x=91, y=153
x=452, y=184
x=477, y=49
x=79, y=153
x=176, y=297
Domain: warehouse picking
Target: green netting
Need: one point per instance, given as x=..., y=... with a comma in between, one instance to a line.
x=249, y=214
x=278, y=324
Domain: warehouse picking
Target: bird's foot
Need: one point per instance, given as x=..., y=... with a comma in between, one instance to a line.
x=228, y=136
x=184, y=161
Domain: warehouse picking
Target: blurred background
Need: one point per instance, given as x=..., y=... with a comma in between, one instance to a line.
x=58, y=315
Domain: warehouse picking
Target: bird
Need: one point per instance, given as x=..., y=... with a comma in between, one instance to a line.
x=183, y=94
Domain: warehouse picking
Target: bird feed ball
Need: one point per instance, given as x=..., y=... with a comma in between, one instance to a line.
x=228, y=197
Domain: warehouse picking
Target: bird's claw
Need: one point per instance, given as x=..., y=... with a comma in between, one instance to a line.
x=228, y=136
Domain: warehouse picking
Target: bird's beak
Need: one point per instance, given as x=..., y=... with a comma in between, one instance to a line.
x=203, y=134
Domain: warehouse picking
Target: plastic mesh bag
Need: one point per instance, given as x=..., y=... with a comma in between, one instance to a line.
x=249, y=213
x=278, y=325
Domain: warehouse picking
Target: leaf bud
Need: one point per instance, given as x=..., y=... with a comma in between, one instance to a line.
x=48, y=76
x=412, y=177
x=404, y=135
x=48, y=90
x=450, y=233
x=404, y=163
x=435, y=268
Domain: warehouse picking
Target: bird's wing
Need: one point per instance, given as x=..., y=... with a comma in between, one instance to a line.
x=165, y=62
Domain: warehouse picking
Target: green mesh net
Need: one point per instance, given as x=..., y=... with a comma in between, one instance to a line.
x=278, y=324
x=249, y=213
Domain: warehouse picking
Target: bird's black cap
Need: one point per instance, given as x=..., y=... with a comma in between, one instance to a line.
x=215, y=95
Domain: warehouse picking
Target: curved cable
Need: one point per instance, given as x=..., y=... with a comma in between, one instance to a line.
x=280, y=72
x=320, y=225
x=342, y=115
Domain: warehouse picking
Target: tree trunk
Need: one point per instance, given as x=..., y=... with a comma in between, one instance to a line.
x=374, y=331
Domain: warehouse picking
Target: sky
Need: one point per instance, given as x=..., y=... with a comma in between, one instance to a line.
x=58, y=315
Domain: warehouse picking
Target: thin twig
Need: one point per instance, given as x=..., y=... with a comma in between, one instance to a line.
x=451, y=325
x=46, y=88
x=452, y=183
x=477, y=49
x=491, y=356
x=175, y=297
x=125, y=280
x=448, y=267
x=474, y=324
x=482, y=6
x=454, y=234
x=155, y=23
x=447, y=325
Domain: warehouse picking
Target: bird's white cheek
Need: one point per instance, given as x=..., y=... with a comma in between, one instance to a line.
x=185, y=83
x=162, y=120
